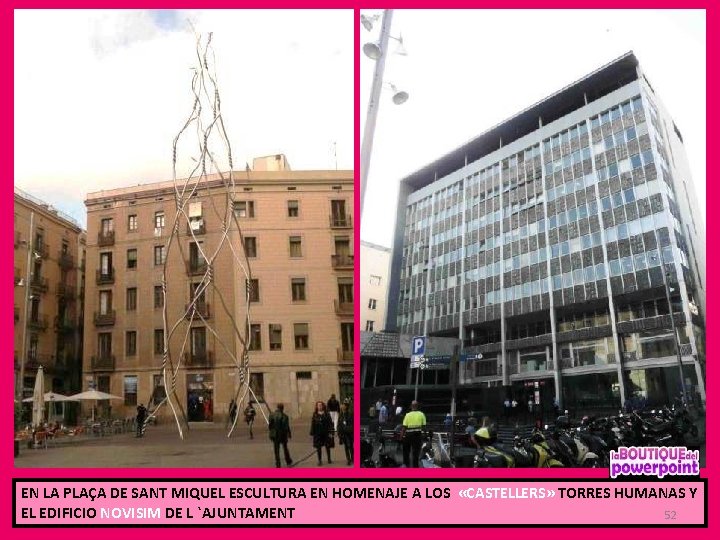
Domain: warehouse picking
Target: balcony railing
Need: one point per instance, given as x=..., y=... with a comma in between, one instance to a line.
x=41, y=249
x=39, y=322
x=66, y=260
x=340, y=222
x=39, y=283
x=200, y=359
x=344, y=356
x=106, y=238
x=18, y=275
x=105, y=278
x=68, y=292
x=685, y=349
x=18, y=239
x=344, y=308
x=197, y=228
x=65, y=325
x=202, y=308
x=340, y=262
x=104, y=319
x=103, y=363
x=17, y=314
x=196, y=268
x=35, y=360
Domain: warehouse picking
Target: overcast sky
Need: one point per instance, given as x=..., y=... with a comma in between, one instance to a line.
x=100, y=95
x=469, y=70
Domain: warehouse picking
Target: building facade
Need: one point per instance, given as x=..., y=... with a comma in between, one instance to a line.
x=297, y=234
x=546, y=245
x=374, y=273
x=49, y=279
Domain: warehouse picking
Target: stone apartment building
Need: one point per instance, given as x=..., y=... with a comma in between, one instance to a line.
x=298, y=237
x=49, y=251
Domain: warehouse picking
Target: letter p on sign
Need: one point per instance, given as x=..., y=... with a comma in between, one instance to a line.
x=418, y=345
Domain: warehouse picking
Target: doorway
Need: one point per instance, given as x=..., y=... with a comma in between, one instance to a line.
x=200, y=397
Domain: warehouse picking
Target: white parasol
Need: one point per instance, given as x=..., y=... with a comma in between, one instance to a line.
x=93, y=395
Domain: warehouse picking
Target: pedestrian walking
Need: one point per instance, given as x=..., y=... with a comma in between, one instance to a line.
x=345, y=431
x=507, y=404
x=321, y=430
x=279, y=427
x=514, y=410
x=333, y=407
x=140, y=420
x=413, y=425
x=232, y=412
x=250, y=417
x=383, y=413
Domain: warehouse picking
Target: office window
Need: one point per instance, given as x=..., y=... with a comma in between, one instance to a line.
x=130, y=388
x=369, y=326
x=245, y=209
x=130, y=343
x=275, y=337
x=302, y=336
x=131, y=299
x=159, y=341
x=250, y=246
x=158, y=297
x=372, y=303
x=255, y=337
x=132, y=258
x=253, y=288
x=159, y=255
x=295, y=246
x=159, y=220
x=293, y=208
x=298, y=289
x=132, y=223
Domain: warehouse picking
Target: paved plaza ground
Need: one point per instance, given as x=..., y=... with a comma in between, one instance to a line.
x=205, y=446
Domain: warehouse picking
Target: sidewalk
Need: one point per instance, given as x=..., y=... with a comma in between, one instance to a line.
x=205, y=446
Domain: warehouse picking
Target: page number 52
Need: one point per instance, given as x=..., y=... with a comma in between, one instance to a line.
x=670, y=514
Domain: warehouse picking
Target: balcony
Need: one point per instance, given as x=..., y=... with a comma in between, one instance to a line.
x=102, y=363
x=68, y=292
x=39, y=323
x=199, y=359
x=105, y=278
x=197, y=228
x=340, y=222
x=39, y=283
x=106, y=238
x=344, y=356
x=196, y=268
x=18, y=275
x=344, y=308
x=41, y=249
x=685, y=349
x=35, y=360
x=65, y=325
x=342, y=262
x=17, y=314
x=201, y=309
x=66, y=260
x=18, y=239
x=104, y=319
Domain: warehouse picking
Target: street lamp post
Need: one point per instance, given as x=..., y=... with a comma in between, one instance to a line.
x=19, y=390
x=675, y=337
x=374, y=104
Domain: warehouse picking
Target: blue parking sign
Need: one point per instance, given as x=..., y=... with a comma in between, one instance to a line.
x=418, y=345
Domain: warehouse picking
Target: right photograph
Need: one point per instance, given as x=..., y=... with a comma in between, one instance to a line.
x=533, y=217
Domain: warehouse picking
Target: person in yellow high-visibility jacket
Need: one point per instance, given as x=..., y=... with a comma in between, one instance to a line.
x=413, y=425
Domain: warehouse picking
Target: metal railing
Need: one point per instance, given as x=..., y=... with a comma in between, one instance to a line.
x=106, y=238
x=343, y=308
x=200, y=359
x=105, y=278
x=104, y=319
x=340, y=221
x=66, y=260
x=202, y=308
x=103, y=363
x=345, y=356
x=342, y=261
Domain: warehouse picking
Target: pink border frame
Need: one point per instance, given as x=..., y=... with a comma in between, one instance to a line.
x=6, y=202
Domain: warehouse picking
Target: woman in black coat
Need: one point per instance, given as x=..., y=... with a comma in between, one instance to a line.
x=321, y=430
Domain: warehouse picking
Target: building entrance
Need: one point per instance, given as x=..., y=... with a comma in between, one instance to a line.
x=200, y=397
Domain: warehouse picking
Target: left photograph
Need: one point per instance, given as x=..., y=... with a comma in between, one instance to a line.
x=183, y=295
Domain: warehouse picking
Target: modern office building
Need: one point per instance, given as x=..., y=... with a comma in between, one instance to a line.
x=546, y=244
x=298, y=237
x=49, y=279
x=374, y=273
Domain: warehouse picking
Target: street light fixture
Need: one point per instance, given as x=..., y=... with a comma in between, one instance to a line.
x=376, y=51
